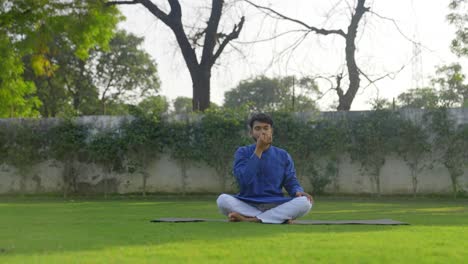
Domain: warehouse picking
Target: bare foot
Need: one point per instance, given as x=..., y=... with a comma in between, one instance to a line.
x=233, y=217
x=236, y=217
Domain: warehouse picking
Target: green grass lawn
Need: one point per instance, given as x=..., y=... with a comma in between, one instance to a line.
x=53, y=230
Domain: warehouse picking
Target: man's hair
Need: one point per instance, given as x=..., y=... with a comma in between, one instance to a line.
x=260, y=117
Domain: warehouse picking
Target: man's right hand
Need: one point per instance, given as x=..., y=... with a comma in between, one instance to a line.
x=263, y=142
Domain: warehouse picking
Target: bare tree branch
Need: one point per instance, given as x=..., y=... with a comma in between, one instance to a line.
x=153, y=8
x=210, y=33
x=233, y=35
x=332, y=86
x=311, y=28
x=111, y=3
x=345, y=98
x=293, y=46
x=390, y=75
x=200, y=71
x=396, y=26
x=272, y=38
x=338, y=89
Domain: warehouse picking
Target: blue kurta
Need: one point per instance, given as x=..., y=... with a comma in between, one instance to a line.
x=261, y=179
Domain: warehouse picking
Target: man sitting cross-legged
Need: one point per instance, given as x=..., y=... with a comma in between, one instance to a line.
x=262, y=170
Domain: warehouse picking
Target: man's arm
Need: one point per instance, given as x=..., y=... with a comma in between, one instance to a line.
x=291, y=184
x=245, y=166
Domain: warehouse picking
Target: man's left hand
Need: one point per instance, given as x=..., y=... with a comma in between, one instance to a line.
x=309, y=197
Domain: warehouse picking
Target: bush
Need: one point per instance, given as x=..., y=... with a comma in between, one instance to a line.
x=25, y=147
x=222, y=131
x=68, y=145
x=450, y=145
x=142, y=140
x=373, y=138
x=108, y=150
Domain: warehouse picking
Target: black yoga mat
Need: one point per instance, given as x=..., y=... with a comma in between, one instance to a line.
x=296, y=222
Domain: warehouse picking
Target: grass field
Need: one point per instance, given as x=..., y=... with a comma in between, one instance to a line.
x=53, y=230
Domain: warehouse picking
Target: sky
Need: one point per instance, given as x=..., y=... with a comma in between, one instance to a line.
x=385, y=44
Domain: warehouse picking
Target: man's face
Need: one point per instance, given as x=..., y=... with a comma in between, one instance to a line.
x=259, y=128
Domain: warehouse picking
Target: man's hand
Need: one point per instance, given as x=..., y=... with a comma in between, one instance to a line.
x=263, y=142
x=309, y=197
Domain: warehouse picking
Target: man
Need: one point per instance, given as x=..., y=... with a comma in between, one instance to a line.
x=262, y=170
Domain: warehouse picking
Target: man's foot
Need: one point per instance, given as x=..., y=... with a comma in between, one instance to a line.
x=233, y=217
x=236, y=217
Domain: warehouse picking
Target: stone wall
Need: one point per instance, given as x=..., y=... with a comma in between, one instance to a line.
x=165, y=175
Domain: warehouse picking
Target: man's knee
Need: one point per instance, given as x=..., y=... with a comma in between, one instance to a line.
x=303, y=204
x=222, y=200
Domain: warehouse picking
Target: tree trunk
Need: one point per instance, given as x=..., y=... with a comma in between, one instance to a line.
x=377, y=184
x=200, y=71
x=345, y=100
x=145, y=176
x=414, y=178
x=376, y=177
x=65, y=177
x=454, y=186
x=77, y=97
x=336, y=185
x=23, y=183
x=144, y=173
x=454, y=172
x=106, y=173
x=183, y=170
x=454, y=177
x=201, y=88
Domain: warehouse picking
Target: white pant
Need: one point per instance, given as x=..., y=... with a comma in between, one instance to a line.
x=293, y=209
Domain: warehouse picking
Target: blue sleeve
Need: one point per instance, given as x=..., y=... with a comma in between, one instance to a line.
x=245, y=167
x=291, y=184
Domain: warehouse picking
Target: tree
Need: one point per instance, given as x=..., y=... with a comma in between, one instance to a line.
x=183, y=146
x=16, y=95
x=107, y=149
x=451, y=83
x=263, y=93
x=448, y=90
x=422, y=98
x=379, y=103
x=345, y=98
x=154, y=106
x=273, y=94
x=450, y=144
x=102, y=84
x=459, y=19
x=143, y=142
x=415, y=149
x=70, y=89
x=27, y=26
x=182, y=105
x=373, y=138
x=125, y=72
x=198, y=66
x=74, y=78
